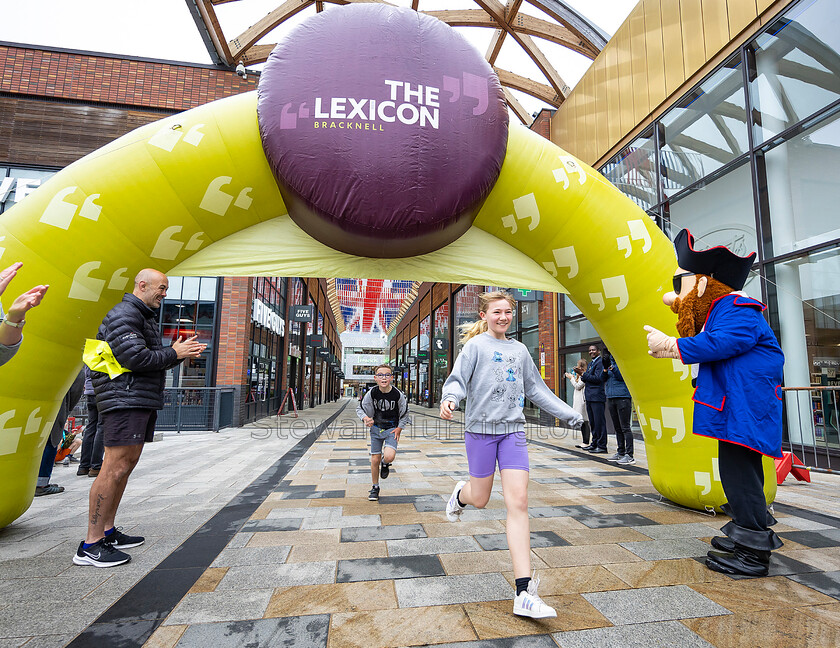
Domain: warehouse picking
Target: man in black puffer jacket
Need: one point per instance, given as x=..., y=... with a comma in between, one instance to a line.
x=128, y=407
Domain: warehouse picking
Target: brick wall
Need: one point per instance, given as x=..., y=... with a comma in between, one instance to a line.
x=125, y=81
x=542, y=123
x=234, y=335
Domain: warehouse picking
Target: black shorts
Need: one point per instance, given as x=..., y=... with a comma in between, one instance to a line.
x=125, y=427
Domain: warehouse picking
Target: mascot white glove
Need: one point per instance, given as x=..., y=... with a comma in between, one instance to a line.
x=661, y=345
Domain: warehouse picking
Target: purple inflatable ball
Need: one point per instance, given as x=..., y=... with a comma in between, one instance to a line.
x=384, y=127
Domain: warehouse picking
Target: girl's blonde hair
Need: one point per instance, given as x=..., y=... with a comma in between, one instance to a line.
x=471, y=329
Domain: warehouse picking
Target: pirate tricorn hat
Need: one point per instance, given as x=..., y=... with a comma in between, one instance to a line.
x=718, y=262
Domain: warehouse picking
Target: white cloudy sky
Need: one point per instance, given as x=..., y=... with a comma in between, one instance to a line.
x=164, y=29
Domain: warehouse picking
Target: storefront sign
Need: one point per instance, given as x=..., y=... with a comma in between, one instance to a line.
x=262, y=314
x=520, y=294
x=17, y=183
x=440, y=344
x=423, y=356
x=411, y=360
x=315, y=340
x=303, y=313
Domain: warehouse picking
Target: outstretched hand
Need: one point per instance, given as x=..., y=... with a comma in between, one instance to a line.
x=661, y=345
x=8, y=274
x=188, y=348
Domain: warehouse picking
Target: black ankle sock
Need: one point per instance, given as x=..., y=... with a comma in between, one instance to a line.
x=458, y=497
x=522, y=584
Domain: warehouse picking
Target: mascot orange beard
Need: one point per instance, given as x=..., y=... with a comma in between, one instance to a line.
x=693, y=309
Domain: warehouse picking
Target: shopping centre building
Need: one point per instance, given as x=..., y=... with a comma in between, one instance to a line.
x=719, y=117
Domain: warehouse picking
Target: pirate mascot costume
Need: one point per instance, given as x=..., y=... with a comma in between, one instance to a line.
x=737, y=365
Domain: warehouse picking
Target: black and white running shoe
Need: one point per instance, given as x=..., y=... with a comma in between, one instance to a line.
x=384, y=470
x=100, y=554
x=373, y=496
x=119, y=540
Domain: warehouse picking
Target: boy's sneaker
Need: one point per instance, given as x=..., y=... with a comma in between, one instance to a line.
x=626, y=460
x=119, y=540
x=384, y=470
x=615, y=457
x=453, y=509
x=373, y=496
x=529, y=604
x=100, y=554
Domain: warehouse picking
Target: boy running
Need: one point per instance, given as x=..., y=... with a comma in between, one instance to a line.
x=384, y=409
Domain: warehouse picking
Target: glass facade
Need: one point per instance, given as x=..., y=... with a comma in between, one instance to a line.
x=747, y=159
x=439, y=358
x=190, y=309
x=266, y=345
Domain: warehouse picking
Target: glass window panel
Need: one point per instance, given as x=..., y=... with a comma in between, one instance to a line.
x=803, y=191
x=569, y=308
x=706, y=130
x=579, y=331
x=633, y=171
x=807, y=298
x=174, y=290
x=719, y=213
x=424, y=333
x=530, y=314
x=207, y=290
x=190, y=288
x=797, y=67
x=205, y=314
x=171, y=313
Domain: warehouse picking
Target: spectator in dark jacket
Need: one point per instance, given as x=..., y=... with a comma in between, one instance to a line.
x=619, y=405
x=92, y=442
x=128, y=407
x=594, y=378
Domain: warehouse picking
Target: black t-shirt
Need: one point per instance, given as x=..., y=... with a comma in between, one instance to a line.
x=386, y=407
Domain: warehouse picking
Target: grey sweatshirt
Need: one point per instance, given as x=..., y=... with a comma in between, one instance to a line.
x=6, y=352
x=495, y=376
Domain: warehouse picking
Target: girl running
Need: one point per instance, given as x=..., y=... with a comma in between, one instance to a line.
x=495, y=375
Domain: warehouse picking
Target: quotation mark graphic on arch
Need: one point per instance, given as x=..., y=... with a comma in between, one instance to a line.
x=2, y=249
x=10, y=436
x=474, y=86
x=166, y=138
x=523, y=207
x=671, y=417
x=680, y=368
x=168, y=248
x=614, y=288
x=570, y=167
x=218, y=202
x=638, y=231
x=87, y=288
x=60, y=213
x=704, y=479
x=563, y=258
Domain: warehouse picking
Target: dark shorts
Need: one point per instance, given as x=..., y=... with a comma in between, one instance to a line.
x=125, y=427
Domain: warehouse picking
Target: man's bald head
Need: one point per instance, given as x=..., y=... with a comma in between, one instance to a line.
x=150, y=286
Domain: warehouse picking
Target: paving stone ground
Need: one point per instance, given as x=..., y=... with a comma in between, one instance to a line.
x=264, y=536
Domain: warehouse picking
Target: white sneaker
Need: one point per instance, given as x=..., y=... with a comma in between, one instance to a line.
x=529, y=604
x=453, y=509
x=615, y=457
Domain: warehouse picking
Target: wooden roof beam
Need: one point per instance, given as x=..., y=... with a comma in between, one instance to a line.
x=497, y=11
x=523, y=24
x=495, y=46
x=517, y=108
x=208, y=15
x=240, y=44
x=536, y=89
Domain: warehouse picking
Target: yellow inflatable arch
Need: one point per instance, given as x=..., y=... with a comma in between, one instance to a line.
x=193, y=194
